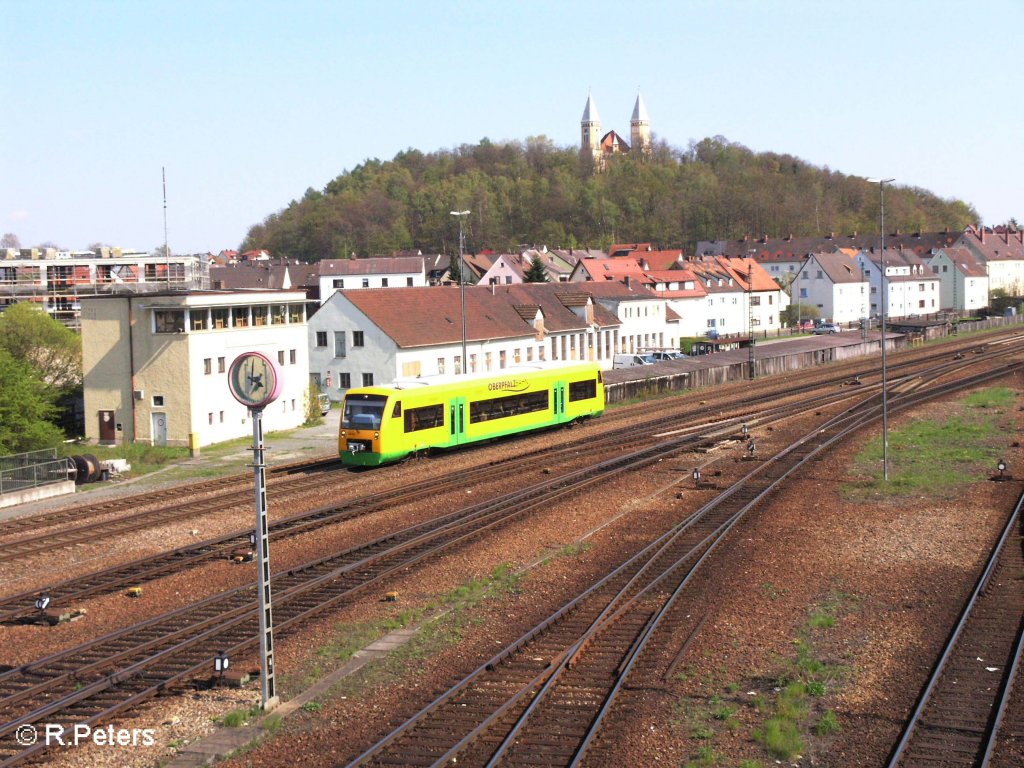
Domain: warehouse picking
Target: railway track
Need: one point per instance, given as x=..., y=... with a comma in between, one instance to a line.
x=957, y=720
x=21, y=606
x=223, y=488
x=543, y=700
x=94, y=681
x=226, y=488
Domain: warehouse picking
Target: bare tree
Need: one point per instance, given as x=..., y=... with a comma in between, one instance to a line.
x=10, y=240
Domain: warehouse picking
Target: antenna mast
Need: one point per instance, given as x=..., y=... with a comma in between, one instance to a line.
x=167, y=252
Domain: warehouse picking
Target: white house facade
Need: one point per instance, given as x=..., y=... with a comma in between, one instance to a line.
x=383, y=272
x=963, y=281
x=836, y=285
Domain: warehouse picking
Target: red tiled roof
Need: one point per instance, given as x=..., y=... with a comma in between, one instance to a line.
x=382, y=265
x=425, y=316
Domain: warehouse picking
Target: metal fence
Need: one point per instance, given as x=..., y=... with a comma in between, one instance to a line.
x=29, y=470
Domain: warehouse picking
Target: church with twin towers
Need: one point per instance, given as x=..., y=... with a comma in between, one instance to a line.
x=601, y=146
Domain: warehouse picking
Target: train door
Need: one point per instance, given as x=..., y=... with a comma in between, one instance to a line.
x=457, y=416
x=558, y=393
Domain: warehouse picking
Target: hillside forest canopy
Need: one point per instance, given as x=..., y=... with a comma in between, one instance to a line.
x=534, y=193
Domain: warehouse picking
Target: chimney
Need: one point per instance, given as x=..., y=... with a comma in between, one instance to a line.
x=981, y=234
x=627, y=281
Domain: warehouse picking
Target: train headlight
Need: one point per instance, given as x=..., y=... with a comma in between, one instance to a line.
x=376, y=435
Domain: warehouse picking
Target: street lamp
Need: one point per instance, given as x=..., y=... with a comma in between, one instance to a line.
x=462, y=289
x=885, y=301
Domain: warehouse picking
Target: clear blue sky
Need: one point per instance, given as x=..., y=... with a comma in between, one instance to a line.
x=247, y=104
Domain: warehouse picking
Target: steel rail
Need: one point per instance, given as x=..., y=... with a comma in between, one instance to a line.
x=914, y=722
x=560, y=660
x=330, y=576
x=21, y=605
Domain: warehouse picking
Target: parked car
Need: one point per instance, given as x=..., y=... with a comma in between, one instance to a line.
x=823, y=328
x=806, y=324
x=325, y=404
x=629, y=361
x=662, y=356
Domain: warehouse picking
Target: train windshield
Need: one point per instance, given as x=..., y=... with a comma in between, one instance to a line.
x=363, y=411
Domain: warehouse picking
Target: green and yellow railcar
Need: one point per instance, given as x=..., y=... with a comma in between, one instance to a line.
x=385, y=424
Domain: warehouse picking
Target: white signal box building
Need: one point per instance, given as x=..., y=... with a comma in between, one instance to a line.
x=155, y=365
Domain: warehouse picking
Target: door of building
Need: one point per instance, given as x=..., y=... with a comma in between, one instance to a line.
x=108, y=434
x=159, y=429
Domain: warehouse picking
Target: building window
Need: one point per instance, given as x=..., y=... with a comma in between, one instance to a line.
x=222, y=417
x=458, y=364
x=278, y=313
x=344, y=380
x=197, y=319
x=383, y=282
x=169, y=321
x=338, y=282
x=221, y=317
x=366, y=282
x=240, y=315
x=280, y=357
x=357, y=338
x=210, y=417
x=339, y=343
x=408, y=282
x=291, y=356
x=295, y=313
x=440, y=365
x=259, y=315
x=321, y=338
x=221, y=364
x=367, y=379
x=208, y=366
x=158, y=401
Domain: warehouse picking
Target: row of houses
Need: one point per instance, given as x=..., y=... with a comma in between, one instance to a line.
x=156, y=363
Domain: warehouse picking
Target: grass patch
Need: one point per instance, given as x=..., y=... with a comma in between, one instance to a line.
x=452, y=612
x=827, y=724
x=312, y=706
x=781, y=738
x=934, y=456
x=789, y=716
x=236, y=718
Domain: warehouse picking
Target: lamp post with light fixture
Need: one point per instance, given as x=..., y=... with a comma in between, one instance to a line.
x=885, y=301
x=462, y=289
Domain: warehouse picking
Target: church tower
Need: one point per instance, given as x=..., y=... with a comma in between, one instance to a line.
x=590, y=127
x=640, y=127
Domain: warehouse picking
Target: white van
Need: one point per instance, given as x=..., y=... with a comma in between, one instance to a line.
x=629, y=361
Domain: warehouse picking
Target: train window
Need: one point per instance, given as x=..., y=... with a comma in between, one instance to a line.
x=397, y=410
x=582, y=390
x=427, y=417
x=503, y=407
x=363, y=411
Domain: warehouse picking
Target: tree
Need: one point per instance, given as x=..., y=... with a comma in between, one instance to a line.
x=31, y=336
x=26, y=407
x=10, y=240
x=796, y=312
x=536, y=273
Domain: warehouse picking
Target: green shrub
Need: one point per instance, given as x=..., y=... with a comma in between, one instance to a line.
x=827, y=724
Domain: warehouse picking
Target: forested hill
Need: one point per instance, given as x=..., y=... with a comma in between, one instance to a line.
x=537, y=193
